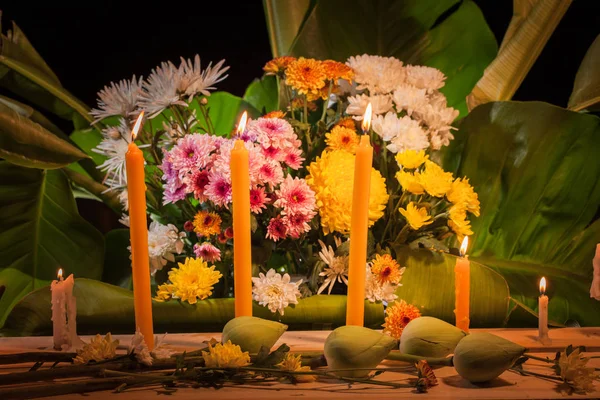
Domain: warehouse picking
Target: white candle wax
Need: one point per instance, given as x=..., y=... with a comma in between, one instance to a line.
x=64, y=312
x=543, y=311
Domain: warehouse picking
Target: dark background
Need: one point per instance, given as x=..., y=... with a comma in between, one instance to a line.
x=90, y=45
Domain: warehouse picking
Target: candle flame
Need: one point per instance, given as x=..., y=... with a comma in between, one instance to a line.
x=242, y=124
x=543, y=285
x=463, y=246
x=366, y=123
x=137, y=125
x=60, y=273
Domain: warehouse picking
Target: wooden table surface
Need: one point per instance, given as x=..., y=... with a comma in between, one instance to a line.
x=508, y=386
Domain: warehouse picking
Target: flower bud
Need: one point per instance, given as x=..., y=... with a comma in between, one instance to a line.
x=229, y=232
x=429, y=337
x=204, y=101
x=251, y=333
x=188, y=226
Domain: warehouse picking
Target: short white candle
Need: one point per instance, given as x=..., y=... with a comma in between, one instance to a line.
x=64, y=312
x=543, y=311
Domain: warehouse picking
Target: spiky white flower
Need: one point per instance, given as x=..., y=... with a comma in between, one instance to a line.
x=358, y=104
x=424, y=77
x=194, y=80
x=275, y=291
x=114, y=165
x=163, y=242
x=376, y=291
x=139, y=348
x=117, y=99
x=379, y=75
x=160, y=90
x=410, y=98
x=160, y=352
x=336, y=269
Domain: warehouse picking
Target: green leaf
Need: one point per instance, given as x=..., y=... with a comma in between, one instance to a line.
x=262, y=94
x=532, y=24
x=284, y=19
x=535, y=168
x=102, y=307
x=450, y=35
x=28, y=144
x=24, y=72
x=225, y=110
x=41, y=232
x=117, y=264
x=87, y=139
x=586, y=90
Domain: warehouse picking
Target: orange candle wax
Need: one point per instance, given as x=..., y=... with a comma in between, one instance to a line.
x=359, y=228
x=462, y=287
x=138, y=230
x=242, y=253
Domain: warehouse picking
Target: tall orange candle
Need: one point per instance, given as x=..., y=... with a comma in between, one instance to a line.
x=462, y=287
x=242, y=253
x=138, y=231
x=359, y=228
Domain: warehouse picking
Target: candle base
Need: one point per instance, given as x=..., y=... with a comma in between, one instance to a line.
x=545, y=340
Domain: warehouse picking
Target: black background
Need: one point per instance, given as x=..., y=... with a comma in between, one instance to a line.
x=90, y=45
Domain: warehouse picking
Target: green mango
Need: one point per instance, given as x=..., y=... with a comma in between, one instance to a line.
x=356, y=347
x=481, y=356
x=251, y=333
x=430, y=337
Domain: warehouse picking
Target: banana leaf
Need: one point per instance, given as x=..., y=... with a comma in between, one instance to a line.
x=586, y=90
x=262, y=94
x=535, y=167
x=41, y=232
x=450, y=35
x=26, y=143
x=102, y=307
x=530, y=28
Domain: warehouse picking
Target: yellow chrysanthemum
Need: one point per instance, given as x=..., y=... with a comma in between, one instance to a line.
x=278, y=65
x=306, y=75
x=226, y=355
x=459, y=223
x=341, y=138
x=98, y=349
x=207, y=223
x=411, y=159
x=435, y=180
x=462, y=193
x=336, y=70
x=410, y=182
x=416, y=217
x=347, y=122
x=397, y=316
x=293, y=363
x=386, y=269
x=331, y=177
x=193, y=280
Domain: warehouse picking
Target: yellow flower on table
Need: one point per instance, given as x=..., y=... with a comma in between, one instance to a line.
x=458, y=222
x=435, y=180
x=207, y=223
x=416, y=217
x=462, y=193
x=293, y=363
x=411, y=159
x=574, y=371
x=331, y=177
x=306, y=75
x=410, y=182
x=98, y=349
x=193, y=280
x=341, y=138
x=226, y=355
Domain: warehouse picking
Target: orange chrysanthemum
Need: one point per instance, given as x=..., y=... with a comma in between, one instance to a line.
x=306, y=75
x=274, y=114
x=341, y=138
x=298, y=104
x=207, y=223
x=336, y=70
x=277, y=66
x=386, y=269
x=347, y=122
x=397, y=316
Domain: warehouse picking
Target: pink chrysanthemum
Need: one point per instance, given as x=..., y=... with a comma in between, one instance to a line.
x=258, y=200
x=270, y=173
x=218, y=189
x=196, y=183
x=192, y=152
x=207, y=252
x=174, y=191
x=273, y=132
x=293, y=158
x=295, y=196
x=273, y=153
x=276, y=229
x=297, y=224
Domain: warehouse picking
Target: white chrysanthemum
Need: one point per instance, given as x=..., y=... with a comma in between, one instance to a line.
x=437, y=116
x=336, y=269
x=410, y=136
x=275, y=291
x=160, y=352
x=139, y=349
x=440, y=138
x=358, y=104
x=389, y=126
x=410, y=98
x=424, y=77
x=124, y=220
x=163, y=242
x=124, y=199
x=194, y=80
x=117, y=99
x=375, y=291
x=114, y=165
x=379, y=75
x=160, y=90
